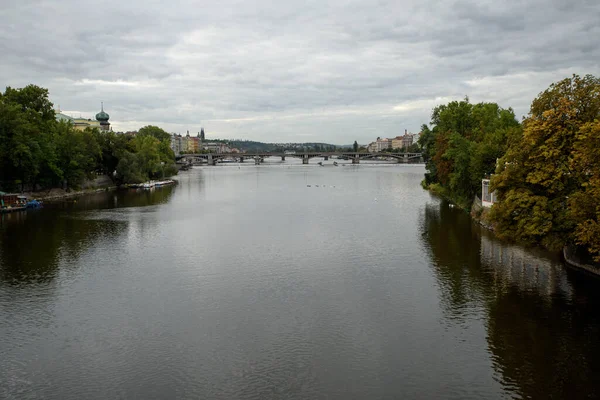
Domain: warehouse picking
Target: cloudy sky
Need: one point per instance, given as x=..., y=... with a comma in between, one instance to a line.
x=279, y=71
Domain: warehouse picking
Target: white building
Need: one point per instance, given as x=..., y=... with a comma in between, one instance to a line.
x=176, y=144
x=379, y=145
x=487, y=198
x=218, y=148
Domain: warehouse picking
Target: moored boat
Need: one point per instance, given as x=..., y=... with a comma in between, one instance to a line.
x=10, y=202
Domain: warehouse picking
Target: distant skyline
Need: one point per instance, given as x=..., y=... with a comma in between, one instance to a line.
x=310, y=71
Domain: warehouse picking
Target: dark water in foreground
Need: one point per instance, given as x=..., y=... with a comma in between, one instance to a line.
x=247, y=284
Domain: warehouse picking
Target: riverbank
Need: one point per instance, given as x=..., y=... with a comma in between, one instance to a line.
x=574, y=259
x=59, y=194
x=480, y=215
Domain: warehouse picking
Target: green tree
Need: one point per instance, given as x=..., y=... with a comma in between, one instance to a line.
x=33, y=101
x=112, y=147
x=129, y=169
x=26, y=121
x=463, y=145
x=147, y=151
x=413, y=148
x=154, y=131
x=78, y=153
x=36, y=150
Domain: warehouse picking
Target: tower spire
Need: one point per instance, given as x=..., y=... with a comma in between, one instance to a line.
x=102, y=106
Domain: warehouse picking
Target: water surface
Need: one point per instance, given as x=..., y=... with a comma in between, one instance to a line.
x=285, y=281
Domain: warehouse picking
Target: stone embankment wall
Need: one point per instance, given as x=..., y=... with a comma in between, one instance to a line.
x=479, y=213
x=99, y=184
x=575, y=260
x=570, y=253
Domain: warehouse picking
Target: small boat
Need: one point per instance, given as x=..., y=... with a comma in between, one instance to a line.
x=152, y=184
x=34, y=204
x=335, y=163
x=164, y=183
x=10, y=202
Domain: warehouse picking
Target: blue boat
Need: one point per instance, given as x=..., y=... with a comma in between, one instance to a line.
x=34, y=204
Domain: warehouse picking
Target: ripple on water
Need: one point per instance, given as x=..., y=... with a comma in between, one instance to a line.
x=245, y=283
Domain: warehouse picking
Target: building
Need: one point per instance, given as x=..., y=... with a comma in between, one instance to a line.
x=62, y=117
x=218, y=148
x=83, y=123
x=101, y=121
x=202, y=138
x=396, y=142
x=407, y=141
x=379, y=145
x=102, y=118
x=194, y=144
x=487, y=199
x=403, y=142
x=183, y=143
x=187, y=144
x=176, y=143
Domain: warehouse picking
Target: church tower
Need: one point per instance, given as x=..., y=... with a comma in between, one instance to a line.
x=103, y=117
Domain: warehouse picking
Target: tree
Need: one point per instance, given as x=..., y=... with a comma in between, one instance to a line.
x=548, y=172
x=33, y=101
x=129, y=169
x=463, y=145
x=78, y=153
x=355, y=146
x=154, y=131
x=36, y=150
x=413, y=148
x=112, y=147
x=584, y=208
x=26, y=121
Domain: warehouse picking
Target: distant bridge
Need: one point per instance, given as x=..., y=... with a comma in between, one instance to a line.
x=258, y=157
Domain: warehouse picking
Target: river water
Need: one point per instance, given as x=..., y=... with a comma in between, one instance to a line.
x=285, y=281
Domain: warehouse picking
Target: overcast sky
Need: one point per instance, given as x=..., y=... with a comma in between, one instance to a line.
x=297, y=71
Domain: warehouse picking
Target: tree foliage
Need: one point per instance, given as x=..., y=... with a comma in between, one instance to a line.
x=36, y=151
x=463, y=144
x=155, y=132
x=547, y=183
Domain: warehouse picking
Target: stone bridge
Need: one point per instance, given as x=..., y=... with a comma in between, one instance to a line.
x=258, y=157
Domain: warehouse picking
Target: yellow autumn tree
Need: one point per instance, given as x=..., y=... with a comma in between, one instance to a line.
x=540, y=173
x=584, y=203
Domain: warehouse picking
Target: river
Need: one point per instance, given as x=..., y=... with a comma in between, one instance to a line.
x=284, y=281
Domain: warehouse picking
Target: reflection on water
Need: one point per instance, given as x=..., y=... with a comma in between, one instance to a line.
x=31, y=252
x=33, y=242
x=542, y=320
x=117, y=199
x=278, y=282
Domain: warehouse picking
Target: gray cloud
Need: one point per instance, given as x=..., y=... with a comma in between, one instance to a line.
x=334, y=71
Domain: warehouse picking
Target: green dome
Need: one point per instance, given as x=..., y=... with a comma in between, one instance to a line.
x=102, y=116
